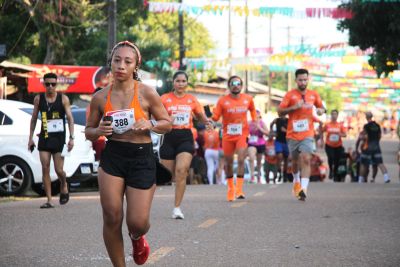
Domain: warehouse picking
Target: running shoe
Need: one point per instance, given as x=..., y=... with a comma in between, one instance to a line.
x=302, y=195
x=296, y=189
x=230, y=196
x=239, y=188
x=177, y=214
x=140, y=250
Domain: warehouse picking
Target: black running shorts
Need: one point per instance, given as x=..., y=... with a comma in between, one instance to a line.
x=260, y=148
x=372, y=155
x=175, y=142
x=52, y=144
x=135, y=163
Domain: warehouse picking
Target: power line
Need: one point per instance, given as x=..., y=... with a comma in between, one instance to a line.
x=26, y=25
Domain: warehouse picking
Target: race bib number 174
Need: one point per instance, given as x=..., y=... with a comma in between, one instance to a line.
x=235, y=129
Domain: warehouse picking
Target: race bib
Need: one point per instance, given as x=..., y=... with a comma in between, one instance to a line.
x=55, y=126
x=123, y=120
x=300, y=126
x=235, y=129
x=334, y=138
x=253, y=139
x=181, y=118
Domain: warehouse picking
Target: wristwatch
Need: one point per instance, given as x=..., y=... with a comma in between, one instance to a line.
x=153, y=123
x=72, y=137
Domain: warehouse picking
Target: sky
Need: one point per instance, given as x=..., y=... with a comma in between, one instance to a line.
x=314, y=31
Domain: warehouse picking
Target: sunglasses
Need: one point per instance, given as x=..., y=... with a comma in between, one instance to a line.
x=236, y=83
x=52, y=84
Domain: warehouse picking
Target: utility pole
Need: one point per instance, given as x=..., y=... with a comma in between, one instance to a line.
x=181, y=40
x=269, y=70
x=112, y=24
x=246, y=51
x=230, y=41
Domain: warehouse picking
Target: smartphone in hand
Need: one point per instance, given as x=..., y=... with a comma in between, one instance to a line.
x=207, y=111
x=110, y=119
x=32, y=147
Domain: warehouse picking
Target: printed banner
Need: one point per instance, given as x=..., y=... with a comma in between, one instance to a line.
x=71, y=79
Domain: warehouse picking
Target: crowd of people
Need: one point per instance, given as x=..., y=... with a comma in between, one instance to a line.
x=127, y=111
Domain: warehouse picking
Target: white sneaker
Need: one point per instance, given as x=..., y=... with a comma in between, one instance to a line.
x=177, y=214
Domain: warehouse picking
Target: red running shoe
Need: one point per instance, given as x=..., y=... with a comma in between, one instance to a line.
x=141, y=250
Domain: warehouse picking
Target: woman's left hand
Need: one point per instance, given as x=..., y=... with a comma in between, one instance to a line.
x=142, y=125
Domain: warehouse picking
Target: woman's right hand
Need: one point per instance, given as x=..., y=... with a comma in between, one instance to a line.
x=105, y=128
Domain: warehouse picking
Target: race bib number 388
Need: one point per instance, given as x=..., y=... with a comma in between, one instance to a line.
x=123, y=120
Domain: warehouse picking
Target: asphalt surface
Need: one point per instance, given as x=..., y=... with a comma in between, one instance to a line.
x=339, y=225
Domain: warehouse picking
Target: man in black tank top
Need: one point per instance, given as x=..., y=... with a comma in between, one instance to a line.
x=372, y=154
x=53, y=108
x=279, y=127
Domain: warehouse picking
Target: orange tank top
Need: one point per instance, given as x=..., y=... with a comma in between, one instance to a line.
x=135, y=104
x=124, y=119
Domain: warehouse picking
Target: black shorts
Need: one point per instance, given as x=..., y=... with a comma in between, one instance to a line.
x=135, y=163
x=52, y=144
x=372, y=155
x=260, y=148
x=175, y=142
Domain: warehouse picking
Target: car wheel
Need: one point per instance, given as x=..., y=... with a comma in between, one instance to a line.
x=15, y=176
x=39, y=188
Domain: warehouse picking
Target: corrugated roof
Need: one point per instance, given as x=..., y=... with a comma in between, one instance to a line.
x=11, y=65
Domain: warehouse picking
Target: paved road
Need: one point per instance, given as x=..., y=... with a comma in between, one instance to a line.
x=339, y=225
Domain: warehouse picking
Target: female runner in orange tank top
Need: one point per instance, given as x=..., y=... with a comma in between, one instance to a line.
x=177, y=150
x=127, y=165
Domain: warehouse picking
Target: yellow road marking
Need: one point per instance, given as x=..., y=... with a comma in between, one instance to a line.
x=208, y=223
x=259, y=194
x=239, y=204
x=158, y=254
x=10, y=199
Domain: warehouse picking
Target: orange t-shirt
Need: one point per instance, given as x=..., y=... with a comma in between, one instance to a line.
x=270, y=154
x=300, y=123
x=211, y=139
x=234, y=115
x=181, y=109
x=333, y=131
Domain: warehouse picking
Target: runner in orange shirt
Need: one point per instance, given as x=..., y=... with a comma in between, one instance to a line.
x=333, y=143
x=299, y=103
x=177, y=150
x=233, y=109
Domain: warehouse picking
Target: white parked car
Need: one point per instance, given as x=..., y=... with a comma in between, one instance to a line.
x=20, y=168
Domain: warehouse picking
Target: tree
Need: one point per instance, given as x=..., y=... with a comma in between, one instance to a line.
x=61, y=32
x=71, y=32
x=331, y=97
x=375, y=24
x=158, y=38
x=49, y=32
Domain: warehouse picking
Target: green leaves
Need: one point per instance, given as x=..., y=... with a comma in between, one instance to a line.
x=377, y=25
